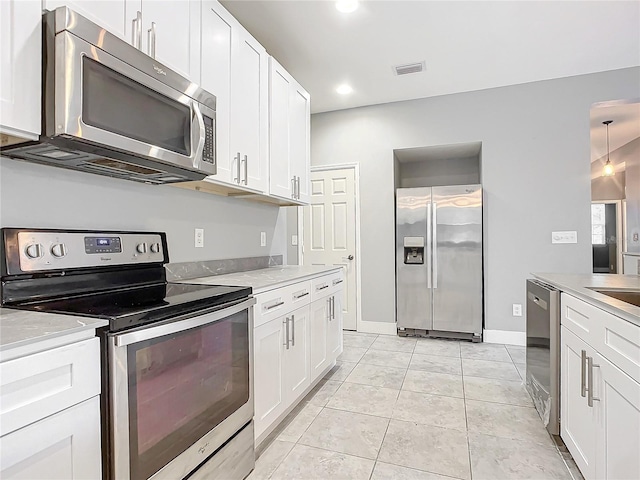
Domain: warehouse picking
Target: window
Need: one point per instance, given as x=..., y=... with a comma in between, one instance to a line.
x=597, y=224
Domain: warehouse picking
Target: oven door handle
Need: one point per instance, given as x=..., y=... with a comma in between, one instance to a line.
x=202, y=318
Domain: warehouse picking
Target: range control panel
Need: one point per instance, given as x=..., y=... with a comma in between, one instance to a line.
x=53, y=250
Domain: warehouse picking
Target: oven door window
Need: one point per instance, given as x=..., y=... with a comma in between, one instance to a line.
x=183, y=385
x=116, y=103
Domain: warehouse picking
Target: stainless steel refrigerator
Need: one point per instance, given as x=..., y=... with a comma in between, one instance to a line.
x=439, y=261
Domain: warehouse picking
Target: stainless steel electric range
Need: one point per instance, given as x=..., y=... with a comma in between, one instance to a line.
x=177, y=379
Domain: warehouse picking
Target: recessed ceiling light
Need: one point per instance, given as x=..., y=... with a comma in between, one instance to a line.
x=347, y=6
x=344, y=89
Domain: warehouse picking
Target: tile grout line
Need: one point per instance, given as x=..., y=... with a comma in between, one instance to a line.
x=466, y=418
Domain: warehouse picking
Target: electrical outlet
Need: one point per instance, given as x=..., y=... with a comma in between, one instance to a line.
x=294, y=240
x=263, y=239
x=517, y=310
x=199, y=237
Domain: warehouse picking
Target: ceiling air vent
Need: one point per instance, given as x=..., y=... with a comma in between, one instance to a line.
x=409, y=68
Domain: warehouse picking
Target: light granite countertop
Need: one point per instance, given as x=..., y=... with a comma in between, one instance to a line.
x=265, y=279
x=581, y=285
x=23, y=328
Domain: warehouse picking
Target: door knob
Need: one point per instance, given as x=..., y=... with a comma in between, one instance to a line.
x=350, y=257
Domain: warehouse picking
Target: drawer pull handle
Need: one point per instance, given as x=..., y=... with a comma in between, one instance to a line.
x=322, y=287
x=336, y=282
x=296, y=297
x=274, y=305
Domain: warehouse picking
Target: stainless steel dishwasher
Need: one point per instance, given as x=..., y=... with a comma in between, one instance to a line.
x=543, y=352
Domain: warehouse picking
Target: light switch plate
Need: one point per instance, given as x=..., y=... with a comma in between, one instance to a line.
x=263, y=239
x=517, y=310
x=564, y=237
x=294, y=240
x=199, y=237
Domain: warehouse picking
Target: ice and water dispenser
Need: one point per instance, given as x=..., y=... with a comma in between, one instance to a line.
x=414, y=250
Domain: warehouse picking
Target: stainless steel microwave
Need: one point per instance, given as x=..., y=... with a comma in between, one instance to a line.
x=110, y=109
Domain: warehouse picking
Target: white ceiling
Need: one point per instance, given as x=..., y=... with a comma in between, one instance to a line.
x=467, y=45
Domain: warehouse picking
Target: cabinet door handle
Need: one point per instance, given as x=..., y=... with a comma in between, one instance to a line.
x=236, y=178
x=590, y=397
x=329, y=309
x=151, y=40
x=136, y=34
x=246, y=171
x=333, y=307
x=274, y=305
x=286, y=334
x=293, y=330
x=293, y=187
x=583, y=373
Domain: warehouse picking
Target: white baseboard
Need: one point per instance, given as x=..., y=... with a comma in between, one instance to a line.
x=384, y=328
x=506, y=337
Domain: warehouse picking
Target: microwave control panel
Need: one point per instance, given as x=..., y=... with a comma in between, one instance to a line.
x=209, y=152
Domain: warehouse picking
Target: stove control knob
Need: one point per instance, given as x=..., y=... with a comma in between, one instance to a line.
x=34, y=250
x=59, y=250
x=155, y=247
x=142, y=247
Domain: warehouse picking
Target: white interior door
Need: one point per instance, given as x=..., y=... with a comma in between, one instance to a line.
x=329, y=236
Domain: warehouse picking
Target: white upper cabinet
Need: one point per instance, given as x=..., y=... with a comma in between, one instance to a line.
x=290, y=113
x=280, y=177
x=171, y=34
x=299, y=141
x=20, y=67
x=116, y=16
x=217, y=26
x=234, y=68
x=249, y=104
x=167, y=31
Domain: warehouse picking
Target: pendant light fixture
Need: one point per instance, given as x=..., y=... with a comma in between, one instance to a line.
x=608, y=170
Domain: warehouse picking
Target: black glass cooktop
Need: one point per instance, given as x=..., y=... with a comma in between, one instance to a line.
x=134, y=306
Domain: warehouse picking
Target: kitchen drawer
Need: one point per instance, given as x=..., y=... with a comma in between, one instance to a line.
x=280, y=301
x=321, y=287
x=619, y=342
x=581, y=318
x=326, y=285
x=36, y=386
x=336, y=282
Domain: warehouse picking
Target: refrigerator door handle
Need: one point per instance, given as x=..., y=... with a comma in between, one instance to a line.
x=427, y=252
x=434, y=240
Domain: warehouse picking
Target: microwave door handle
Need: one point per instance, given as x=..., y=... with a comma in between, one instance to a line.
x=197, y=137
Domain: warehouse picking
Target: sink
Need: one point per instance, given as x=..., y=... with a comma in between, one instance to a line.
x=628, y=296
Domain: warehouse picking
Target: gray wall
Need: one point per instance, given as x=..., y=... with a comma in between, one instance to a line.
x=452, y=171
x=535, y=173
x=47, y=197
x=608, y=188
x=292, y=229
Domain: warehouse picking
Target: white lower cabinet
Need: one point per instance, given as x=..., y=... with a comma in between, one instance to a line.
x=296, y=365
x=600, y=402
x=319, y=330
x=618, y=453
x=295, y=342
x=62, y=446
x=578, y=424
x=268, y=373
x=335, y=326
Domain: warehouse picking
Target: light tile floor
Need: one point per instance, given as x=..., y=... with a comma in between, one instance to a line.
x=416, y=409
